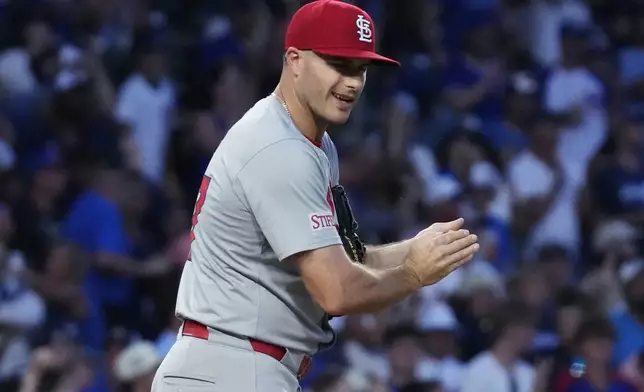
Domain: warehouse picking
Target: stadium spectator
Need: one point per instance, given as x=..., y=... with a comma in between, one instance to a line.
x=135, y=366
x=572, y=307
x=593, y=341
x=543, y=206
x=439, y=330
x=115, y=198
x=21, y=309
x=403, y=352
x=500, y=368
x=630, y=332
x=145, y=104
x=619, y=180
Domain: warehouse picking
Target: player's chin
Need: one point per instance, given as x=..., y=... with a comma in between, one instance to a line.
x=338, y=117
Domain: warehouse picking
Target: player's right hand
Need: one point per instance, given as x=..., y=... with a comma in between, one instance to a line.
x=433, y=255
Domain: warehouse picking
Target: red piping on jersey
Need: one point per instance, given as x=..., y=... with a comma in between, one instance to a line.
x=315, y=142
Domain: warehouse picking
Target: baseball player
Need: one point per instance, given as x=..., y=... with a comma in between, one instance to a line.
x=274, y=247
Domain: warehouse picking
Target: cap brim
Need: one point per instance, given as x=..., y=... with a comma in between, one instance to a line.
x=375, y=58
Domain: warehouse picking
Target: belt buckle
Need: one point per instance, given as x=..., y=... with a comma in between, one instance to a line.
x=305, y=365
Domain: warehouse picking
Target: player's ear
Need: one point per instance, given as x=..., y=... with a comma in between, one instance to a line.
x=293, y=59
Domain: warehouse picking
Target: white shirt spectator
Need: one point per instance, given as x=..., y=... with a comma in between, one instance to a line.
x=449, y=372
x=438, y=316
x=530, y=177
x=7, y=156
x=443, y=188
x=16, y=76
x=566, y=89
x=20, y=310
x=367, y=361
x=484, y=371
x=547, y=18
x=147, y=110
x=422, y=158
x=484, y=175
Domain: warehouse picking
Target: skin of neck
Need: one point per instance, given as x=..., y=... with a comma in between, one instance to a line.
x=598, y=373
x=306, y=121
x=505, y=352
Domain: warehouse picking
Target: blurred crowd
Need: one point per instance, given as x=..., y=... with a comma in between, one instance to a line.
x=525, y=117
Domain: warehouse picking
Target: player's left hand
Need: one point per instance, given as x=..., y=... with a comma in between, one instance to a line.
x=443, y=227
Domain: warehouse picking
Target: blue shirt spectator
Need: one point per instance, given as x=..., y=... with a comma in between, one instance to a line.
x=463, y=74
x=583, y=385
x=99, y=384
x=619, y=183
x=505, y=137
x=95, y=224
x=630, y=336
x=631, y=69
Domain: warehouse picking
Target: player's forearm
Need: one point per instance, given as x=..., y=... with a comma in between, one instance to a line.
x=367, y=290
x=386, y=256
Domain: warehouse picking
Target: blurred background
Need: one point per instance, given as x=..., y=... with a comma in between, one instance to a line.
x=525, y=117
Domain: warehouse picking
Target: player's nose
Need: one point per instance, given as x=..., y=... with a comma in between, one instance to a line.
x=353, y=85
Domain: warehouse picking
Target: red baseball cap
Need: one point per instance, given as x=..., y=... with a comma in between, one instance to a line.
x=335, y=28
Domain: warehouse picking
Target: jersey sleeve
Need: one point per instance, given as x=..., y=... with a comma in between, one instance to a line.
x=334, y=161
x=287, y=188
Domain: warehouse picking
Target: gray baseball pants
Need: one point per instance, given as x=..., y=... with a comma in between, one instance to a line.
x=224, y=363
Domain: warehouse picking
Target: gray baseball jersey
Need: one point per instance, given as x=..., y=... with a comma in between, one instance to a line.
x=266, y=195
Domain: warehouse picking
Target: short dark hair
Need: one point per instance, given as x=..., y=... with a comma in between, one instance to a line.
x=595, y=327
x=513, y=314
x=392, y=335
x=528, y=271
x=428, y=386
x=552, y=251
x=572, y=297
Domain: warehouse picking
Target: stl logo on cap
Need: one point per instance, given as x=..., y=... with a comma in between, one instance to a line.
x=364, y=29
x=329, y=27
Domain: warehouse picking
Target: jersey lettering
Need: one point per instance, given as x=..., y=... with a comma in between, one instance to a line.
x=201, y=198
x=322, y=221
